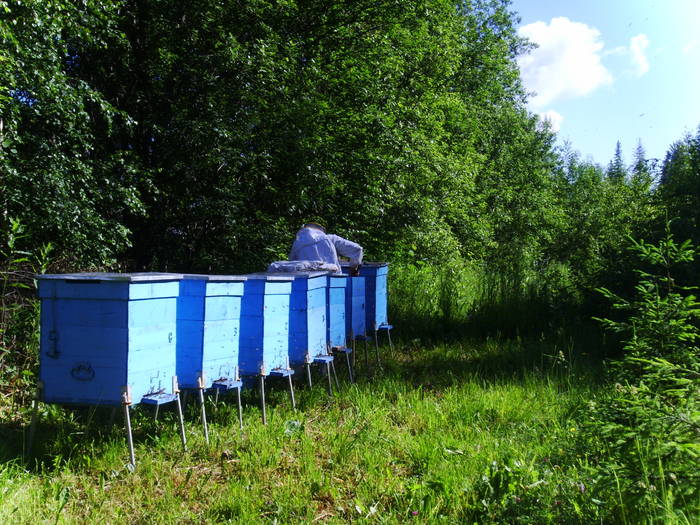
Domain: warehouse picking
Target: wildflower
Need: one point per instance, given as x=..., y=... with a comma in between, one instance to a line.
x=415, y=513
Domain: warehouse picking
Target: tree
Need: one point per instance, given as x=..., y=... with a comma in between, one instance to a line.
x=679, y=188
x=617, y=171
x=57, y=178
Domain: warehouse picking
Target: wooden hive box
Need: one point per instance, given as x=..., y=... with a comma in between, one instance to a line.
x=307, y=317
x=208, y=329
x=264, y=339
x=355, y=323
x=335, y=310
x=376, y=295
x=102, y=332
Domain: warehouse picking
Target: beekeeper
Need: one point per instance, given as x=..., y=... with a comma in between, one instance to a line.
x=312, y=243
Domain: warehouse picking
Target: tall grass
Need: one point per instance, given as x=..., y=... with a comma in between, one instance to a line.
x=466, y=299
x=472, y=419
x=443, y=434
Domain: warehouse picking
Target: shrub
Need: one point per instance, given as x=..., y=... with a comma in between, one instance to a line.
x=648, y=424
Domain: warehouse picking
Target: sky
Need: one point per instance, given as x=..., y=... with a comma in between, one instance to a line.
x=609, y=70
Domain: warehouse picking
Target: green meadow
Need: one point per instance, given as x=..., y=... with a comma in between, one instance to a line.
x=450, y=427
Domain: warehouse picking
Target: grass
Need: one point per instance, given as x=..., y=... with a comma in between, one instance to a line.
x=443, y=434
x=478, y=416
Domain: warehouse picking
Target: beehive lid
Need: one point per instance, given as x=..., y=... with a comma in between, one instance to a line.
x=301, y=275
x=214, y=278
x=346, y=264
x=106, y=276
x=269, y=277
x=228, y=278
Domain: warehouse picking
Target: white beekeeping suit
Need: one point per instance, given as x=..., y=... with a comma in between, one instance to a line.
x=312, y=243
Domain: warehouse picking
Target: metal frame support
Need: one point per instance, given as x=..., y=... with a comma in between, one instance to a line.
x=330, y=379
x=335, y=375
x=126, y=404
x=308, y=374
x=262, y=398
x=203, y=410
x=291, y=392
x=176, y=391
x=240, y=407
x=347, y=358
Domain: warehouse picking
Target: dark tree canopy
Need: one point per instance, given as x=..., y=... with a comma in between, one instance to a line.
x=167, y=135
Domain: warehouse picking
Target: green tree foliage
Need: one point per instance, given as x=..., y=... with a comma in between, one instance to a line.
x=679, y=188
x=598, y=213
x=617, y=171
x=56, y=177
x=648, y=423
x=205, y=134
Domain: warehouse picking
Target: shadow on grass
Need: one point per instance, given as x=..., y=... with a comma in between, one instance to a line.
x=70, y=435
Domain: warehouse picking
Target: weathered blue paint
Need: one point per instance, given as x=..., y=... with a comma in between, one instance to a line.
x=355, y=324
x=307, y=316
x=208, y=326
x=335, y=310
x=101, y=332
x=376, y=295
x=264, y=335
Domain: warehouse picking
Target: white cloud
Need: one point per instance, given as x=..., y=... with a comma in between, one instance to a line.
x=566, y=63
x=690, y=46
x=553, y=118
x=638, y=46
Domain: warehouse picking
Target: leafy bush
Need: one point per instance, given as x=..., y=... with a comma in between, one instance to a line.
x=648, y=424
x=19, y=310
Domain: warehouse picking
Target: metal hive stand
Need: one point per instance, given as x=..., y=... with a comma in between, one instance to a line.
x=226, y=385
x=383, y=328
x=276, y=372
x=155, y=399
x=347, y=351
x=327, y=360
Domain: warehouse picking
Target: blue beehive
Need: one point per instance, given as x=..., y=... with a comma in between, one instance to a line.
x=375, y=275
x=335, y=310
x=355, y=325
x=102, y=332
x=307, y=316
x=208, y=328
x=264, y=340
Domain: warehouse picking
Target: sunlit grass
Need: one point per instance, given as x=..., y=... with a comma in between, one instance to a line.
x=413, y=441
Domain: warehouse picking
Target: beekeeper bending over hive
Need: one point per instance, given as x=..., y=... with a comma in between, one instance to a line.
x=314, y=249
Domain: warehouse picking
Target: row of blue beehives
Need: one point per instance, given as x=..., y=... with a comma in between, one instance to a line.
x=106, y=334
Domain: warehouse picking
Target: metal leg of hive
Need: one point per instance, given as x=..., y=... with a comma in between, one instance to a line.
x=308, y=374
x=376, y=347
x=155, y=413
x=183, y=437
x=129, y=436
x=291, y=392
x=330, y=379
x=216, y=396
x=347, y=358
x=33, y=423
x=240, y=407
x=353, y=345
x=376, y=342
x=262, y=399
x=203, y=409
x=391, y=345
x=335, y=376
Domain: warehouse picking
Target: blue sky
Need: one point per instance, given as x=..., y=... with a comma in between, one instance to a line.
x=609, y=70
